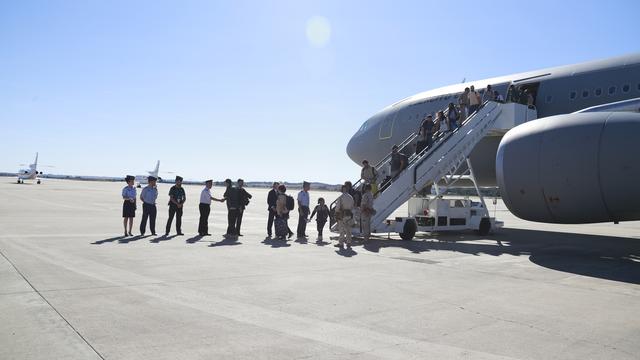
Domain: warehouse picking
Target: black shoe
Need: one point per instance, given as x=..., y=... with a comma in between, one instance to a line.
x=130, y=234
x=240, y=235
x=207, y=234
x=153, y=234
x=338, y=246
x=141, y=234
x=125, y=234
x=349, y=246
x=179, y=234
x=269, y=235
x=290, y=235
x=166, y=234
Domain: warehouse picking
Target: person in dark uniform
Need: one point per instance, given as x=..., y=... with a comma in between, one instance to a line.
x=148, y=197
x=231, y=196
x=129, y=204
x=244, y=201
x=272, y=198
x=205, y=208
x=177, y=198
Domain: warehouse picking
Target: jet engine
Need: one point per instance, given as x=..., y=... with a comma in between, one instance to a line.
x=573, y=168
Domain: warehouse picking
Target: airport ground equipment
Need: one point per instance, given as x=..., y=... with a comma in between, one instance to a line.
x=440, y=166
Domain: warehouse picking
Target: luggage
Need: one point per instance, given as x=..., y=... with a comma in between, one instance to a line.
x=281, y=227
x=291, y=203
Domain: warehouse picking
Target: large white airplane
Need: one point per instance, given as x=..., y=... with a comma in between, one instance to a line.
x=579, y=162
x=142, y=179
x=30, y=173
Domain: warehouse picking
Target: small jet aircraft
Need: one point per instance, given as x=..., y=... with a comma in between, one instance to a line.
x=142, y=179
x=30, y=174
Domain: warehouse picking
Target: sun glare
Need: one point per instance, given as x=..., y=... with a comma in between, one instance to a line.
x=318, y=31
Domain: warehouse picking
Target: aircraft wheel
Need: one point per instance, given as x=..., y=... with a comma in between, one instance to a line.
x=409, y=229
x=485, y=227
x=38, y=181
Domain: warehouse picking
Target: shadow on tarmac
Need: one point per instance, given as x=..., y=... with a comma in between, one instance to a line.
x=121, y=239
x=100, y=242
x=194, y=239
x=162, y=238
x=232, y=241
x=275, y=243
x=605, y=257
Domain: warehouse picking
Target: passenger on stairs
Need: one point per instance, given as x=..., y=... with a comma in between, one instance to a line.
x=442, y=123
x=398, y=161
x=530, y=99
x=463, y=104
x=488, y=94
x=369, y=175
x=452, y=116
x=474, y=100
x=513, y=95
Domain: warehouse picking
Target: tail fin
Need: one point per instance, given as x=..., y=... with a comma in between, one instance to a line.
x=35, y=164
x=156, y=170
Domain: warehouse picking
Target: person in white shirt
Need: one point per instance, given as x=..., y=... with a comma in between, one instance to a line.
x=344, y=215
x=303, y=210
x=474, y=100
x=205, y=208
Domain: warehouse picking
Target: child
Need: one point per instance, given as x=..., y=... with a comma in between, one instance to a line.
x=323, y=215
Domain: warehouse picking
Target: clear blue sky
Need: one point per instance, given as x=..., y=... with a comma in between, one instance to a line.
x=238, y=88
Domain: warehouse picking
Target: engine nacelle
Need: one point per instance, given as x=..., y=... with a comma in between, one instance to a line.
x=572, y=169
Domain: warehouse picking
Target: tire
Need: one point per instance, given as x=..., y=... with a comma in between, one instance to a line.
x=485, y=227
x=409, y=229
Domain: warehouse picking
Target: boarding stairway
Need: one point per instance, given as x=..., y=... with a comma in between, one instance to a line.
x=448, y=152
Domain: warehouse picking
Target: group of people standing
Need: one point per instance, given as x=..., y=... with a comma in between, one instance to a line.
x=236, y=198
x=351, y=204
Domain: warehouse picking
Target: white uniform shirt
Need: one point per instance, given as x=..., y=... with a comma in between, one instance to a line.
x=303, y=198
x=205, y=196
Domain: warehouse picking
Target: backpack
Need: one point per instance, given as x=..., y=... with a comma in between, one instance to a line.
x=291, y=203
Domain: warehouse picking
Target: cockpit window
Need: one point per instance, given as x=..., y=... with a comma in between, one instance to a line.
x=364, y=126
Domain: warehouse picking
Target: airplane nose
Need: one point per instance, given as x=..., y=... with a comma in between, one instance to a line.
x=352, y=148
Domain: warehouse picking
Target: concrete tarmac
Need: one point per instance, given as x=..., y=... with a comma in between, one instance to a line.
x=72, y=288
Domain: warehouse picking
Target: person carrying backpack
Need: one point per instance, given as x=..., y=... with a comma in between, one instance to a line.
x=369, y=175
x=284, y=204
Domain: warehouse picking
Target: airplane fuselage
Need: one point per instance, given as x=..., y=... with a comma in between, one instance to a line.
x=560, y=90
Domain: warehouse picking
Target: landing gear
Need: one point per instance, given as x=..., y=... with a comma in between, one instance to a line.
x=38, y=182
x=19, y=181
x=409, y=229
x=485, y=227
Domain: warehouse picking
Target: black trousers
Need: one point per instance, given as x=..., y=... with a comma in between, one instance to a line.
x=321, y=227
x=177, y=212
x=239, y=221
x=149, y=211
x=203, y=225
x=302, y=221
x=272, y=215
x=232, y=216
